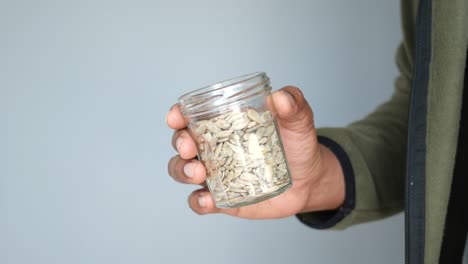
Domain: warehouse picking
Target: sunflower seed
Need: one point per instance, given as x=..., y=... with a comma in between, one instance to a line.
x=243, y=160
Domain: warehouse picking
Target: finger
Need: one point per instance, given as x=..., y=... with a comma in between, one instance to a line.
x=293, y=111
x=175, y=119
x=184, y=144
x=186, y=171
x=202, y=202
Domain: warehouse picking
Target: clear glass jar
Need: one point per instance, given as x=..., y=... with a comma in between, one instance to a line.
x=233, y=123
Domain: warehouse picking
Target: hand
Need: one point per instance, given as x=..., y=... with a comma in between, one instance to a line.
x=318, y=182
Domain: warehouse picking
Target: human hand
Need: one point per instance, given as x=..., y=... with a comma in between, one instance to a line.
x=318, y=182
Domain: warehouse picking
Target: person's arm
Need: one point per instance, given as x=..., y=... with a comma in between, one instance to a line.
x=372, y=151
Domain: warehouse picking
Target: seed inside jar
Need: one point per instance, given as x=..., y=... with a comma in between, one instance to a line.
x=243, y=157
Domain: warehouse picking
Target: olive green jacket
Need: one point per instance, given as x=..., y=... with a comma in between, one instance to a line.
x=376, y=146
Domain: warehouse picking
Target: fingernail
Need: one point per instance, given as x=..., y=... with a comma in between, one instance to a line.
x=189, y=169
x=178, y=143
x=202, y=200
x=289, y=96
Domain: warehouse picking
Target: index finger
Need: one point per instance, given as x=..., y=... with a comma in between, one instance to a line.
x=175, y=119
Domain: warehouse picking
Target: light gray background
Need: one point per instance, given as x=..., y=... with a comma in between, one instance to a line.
x=84, y=89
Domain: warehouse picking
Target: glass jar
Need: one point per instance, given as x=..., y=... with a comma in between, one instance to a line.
x=233, y=123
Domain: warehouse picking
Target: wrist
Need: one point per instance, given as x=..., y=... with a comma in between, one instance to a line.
x=328, y=191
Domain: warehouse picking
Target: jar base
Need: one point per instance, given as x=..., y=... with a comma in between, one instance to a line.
x=253, y=200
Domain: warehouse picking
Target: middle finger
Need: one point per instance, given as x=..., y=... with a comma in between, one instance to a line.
x=186, y=171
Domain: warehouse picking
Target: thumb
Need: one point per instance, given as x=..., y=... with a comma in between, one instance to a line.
x=296, y=123
x=293, y=112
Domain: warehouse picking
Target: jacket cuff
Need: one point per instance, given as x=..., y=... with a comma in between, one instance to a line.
x=327, y=219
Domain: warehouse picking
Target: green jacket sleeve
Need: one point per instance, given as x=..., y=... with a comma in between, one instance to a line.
x=372, y=151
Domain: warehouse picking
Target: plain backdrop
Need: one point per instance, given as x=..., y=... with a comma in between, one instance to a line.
x=84, y=90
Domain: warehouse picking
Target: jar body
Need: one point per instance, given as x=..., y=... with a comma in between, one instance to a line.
x=238, y=141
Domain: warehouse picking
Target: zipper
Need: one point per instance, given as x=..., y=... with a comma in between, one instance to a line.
x=415, y=184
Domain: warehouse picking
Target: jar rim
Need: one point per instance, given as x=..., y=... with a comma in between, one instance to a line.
x=221, y=95
x=222, y=85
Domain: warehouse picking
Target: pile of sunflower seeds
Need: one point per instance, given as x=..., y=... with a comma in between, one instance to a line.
x=243, y=157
